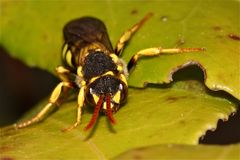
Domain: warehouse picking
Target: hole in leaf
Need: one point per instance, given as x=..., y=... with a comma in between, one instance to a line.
x=227, y=132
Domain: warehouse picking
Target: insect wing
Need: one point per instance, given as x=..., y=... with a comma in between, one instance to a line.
x=84, y=31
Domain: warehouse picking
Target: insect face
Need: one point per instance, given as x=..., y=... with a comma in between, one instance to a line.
x=106, y=94
x=107, y=86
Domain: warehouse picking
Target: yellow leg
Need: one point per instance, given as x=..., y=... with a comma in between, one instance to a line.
x=79, y=110
x=52, y=100
x=128, y=34
x=65, y=75
x=158, y=51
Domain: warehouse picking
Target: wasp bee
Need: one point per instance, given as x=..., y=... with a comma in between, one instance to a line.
x=92, y=65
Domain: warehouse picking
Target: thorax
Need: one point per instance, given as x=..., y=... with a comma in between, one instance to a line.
x=96, y=63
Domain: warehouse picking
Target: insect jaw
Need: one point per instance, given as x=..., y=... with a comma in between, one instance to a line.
x=109, y=109
x=114, y=100
x=95, y=113
x=100, y=104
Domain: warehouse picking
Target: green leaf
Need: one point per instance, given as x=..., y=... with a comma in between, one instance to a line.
x=151, y=116
x=31, y=30
x=180, y=114
x=208, y=24
x=187, y=152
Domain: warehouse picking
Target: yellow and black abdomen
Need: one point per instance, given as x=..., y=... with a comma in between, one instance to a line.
x=82, y=35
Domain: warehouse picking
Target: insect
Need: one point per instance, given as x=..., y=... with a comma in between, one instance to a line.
x=91, y=65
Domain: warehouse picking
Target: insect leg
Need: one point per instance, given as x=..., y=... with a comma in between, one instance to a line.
x=52, y=101
x=79, y=110
x=128, y=34
x=65, y=75
x=158, y=51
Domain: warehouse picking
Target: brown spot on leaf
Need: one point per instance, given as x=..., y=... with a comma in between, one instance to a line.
x=140, y=149
x=234, y=37
x=6, y=158
x=134, y=11
x=217, y=28
x=182, y=122
x=172, y=99
x=45, y=37
x=4, y=148
x=137, y=156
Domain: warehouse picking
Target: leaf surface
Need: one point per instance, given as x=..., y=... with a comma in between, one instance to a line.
x=31, y=30
x=188, y=152
x=180, y=113
x=151, y=116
